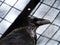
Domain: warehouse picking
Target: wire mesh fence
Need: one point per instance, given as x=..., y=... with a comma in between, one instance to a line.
x=48, y=9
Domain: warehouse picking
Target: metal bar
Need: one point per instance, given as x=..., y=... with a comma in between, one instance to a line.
x=25, y=13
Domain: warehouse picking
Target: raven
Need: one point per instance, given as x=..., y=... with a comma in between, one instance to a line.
x=26, y=34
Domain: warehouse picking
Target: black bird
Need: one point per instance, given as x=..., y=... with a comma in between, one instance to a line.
x=24, y=35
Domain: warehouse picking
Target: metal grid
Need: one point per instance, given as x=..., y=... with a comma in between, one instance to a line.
x=49, y=34
x=9, y=11
x=48, y=9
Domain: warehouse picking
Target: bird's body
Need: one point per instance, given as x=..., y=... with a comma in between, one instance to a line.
x=24, y=35
x=18, y=37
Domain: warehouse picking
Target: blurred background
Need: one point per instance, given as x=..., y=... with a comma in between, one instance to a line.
x=48, y=34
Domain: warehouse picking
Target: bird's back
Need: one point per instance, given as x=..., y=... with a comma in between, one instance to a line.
x=17, y=37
